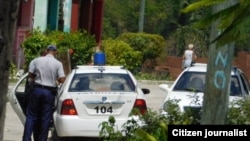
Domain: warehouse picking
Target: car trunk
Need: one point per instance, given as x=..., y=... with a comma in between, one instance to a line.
x=101, y=105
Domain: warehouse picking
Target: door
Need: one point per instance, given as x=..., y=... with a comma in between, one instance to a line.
x=17, y=97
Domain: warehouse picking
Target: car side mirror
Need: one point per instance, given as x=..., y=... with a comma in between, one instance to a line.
x=164, y=87
x=145, y=91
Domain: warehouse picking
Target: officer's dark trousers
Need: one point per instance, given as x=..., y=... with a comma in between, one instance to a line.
x=38, y=114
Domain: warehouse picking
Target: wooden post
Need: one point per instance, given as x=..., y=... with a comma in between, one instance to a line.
x=64, y=57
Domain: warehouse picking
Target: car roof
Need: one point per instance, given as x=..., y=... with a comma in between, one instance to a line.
x=202, y=67
x=98, y=69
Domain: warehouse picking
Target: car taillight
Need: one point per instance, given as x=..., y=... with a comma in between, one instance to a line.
x=140, y=104
x=68, y=107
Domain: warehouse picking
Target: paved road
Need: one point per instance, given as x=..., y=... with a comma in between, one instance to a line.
x=14, y=128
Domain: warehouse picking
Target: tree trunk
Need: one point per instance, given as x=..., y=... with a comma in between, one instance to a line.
x=141, y=17
x=218, y=77
x=8, y=19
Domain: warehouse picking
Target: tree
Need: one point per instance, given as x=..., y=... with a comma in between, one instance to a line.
x=227, y=19
x=8, y=19
x=232, y=19
x=141, y=17
x=152, y=15
x=161, y=17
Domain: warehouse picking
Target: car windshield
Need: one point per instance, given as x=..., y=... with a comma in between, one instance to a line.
x=101, y=82
x=195, y=81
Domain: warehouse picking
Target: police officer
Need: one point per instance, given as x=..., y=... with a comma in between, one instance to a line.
x=29, y=85
x=45, y=72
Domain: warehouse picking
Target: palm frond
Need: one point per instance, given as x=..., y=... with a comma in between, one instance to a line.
x=225, y=17
x=229, y=19
x=234, y=31
x=201, y=4
x=231, y=24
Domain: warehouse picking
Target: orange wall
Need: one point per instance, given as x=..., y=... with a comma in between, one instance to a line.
x=174, y=64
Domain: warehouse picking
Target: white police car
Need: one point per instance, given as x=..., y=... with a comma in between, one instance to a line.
x=188, y=88
x=89, y=95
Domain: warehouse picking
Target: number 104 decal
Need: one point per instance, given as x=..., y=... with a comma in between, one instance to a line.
x=103, y=109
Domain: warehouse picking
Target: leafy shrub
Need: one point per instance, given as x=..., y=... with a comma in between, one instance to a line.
x=108, y=131
x=151, y=45
x=239, y=113
x=152, y=76
x=155, y=124
x=154, y=129
x=33, y=44
x=13, y=72
x=80, y=42
x=120, y=53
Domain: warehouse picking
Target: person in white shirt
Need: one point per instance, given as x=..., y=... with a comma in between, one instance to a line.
x=44, y=72
x=189, y=56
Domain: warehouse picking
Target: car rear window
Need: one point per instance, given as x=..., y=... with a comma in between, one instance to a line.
x=101, y=82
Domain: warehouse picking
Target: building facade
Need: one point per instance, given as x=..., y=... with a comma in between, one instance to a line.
x=64, y=15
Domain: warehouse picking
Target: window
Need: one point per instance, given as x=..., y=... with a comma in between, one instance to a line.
x=101, y=82
x=245, y=83
x=235, y=87
x=188, y=81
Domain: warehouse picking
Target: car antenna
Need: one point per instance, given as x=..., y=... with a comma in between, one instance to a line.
x=101, y=69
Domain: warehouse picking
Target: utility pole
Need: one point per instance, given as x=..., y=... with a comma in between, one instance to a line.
x=141, y=17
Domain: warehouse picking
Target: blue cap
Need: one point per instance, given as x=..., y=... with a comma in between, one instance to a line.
x=51, y=47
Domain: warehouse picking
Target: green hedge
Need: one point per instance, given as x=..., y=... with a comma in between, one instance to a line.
x=80, y=42
x=120, y=53
x=151, y=45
